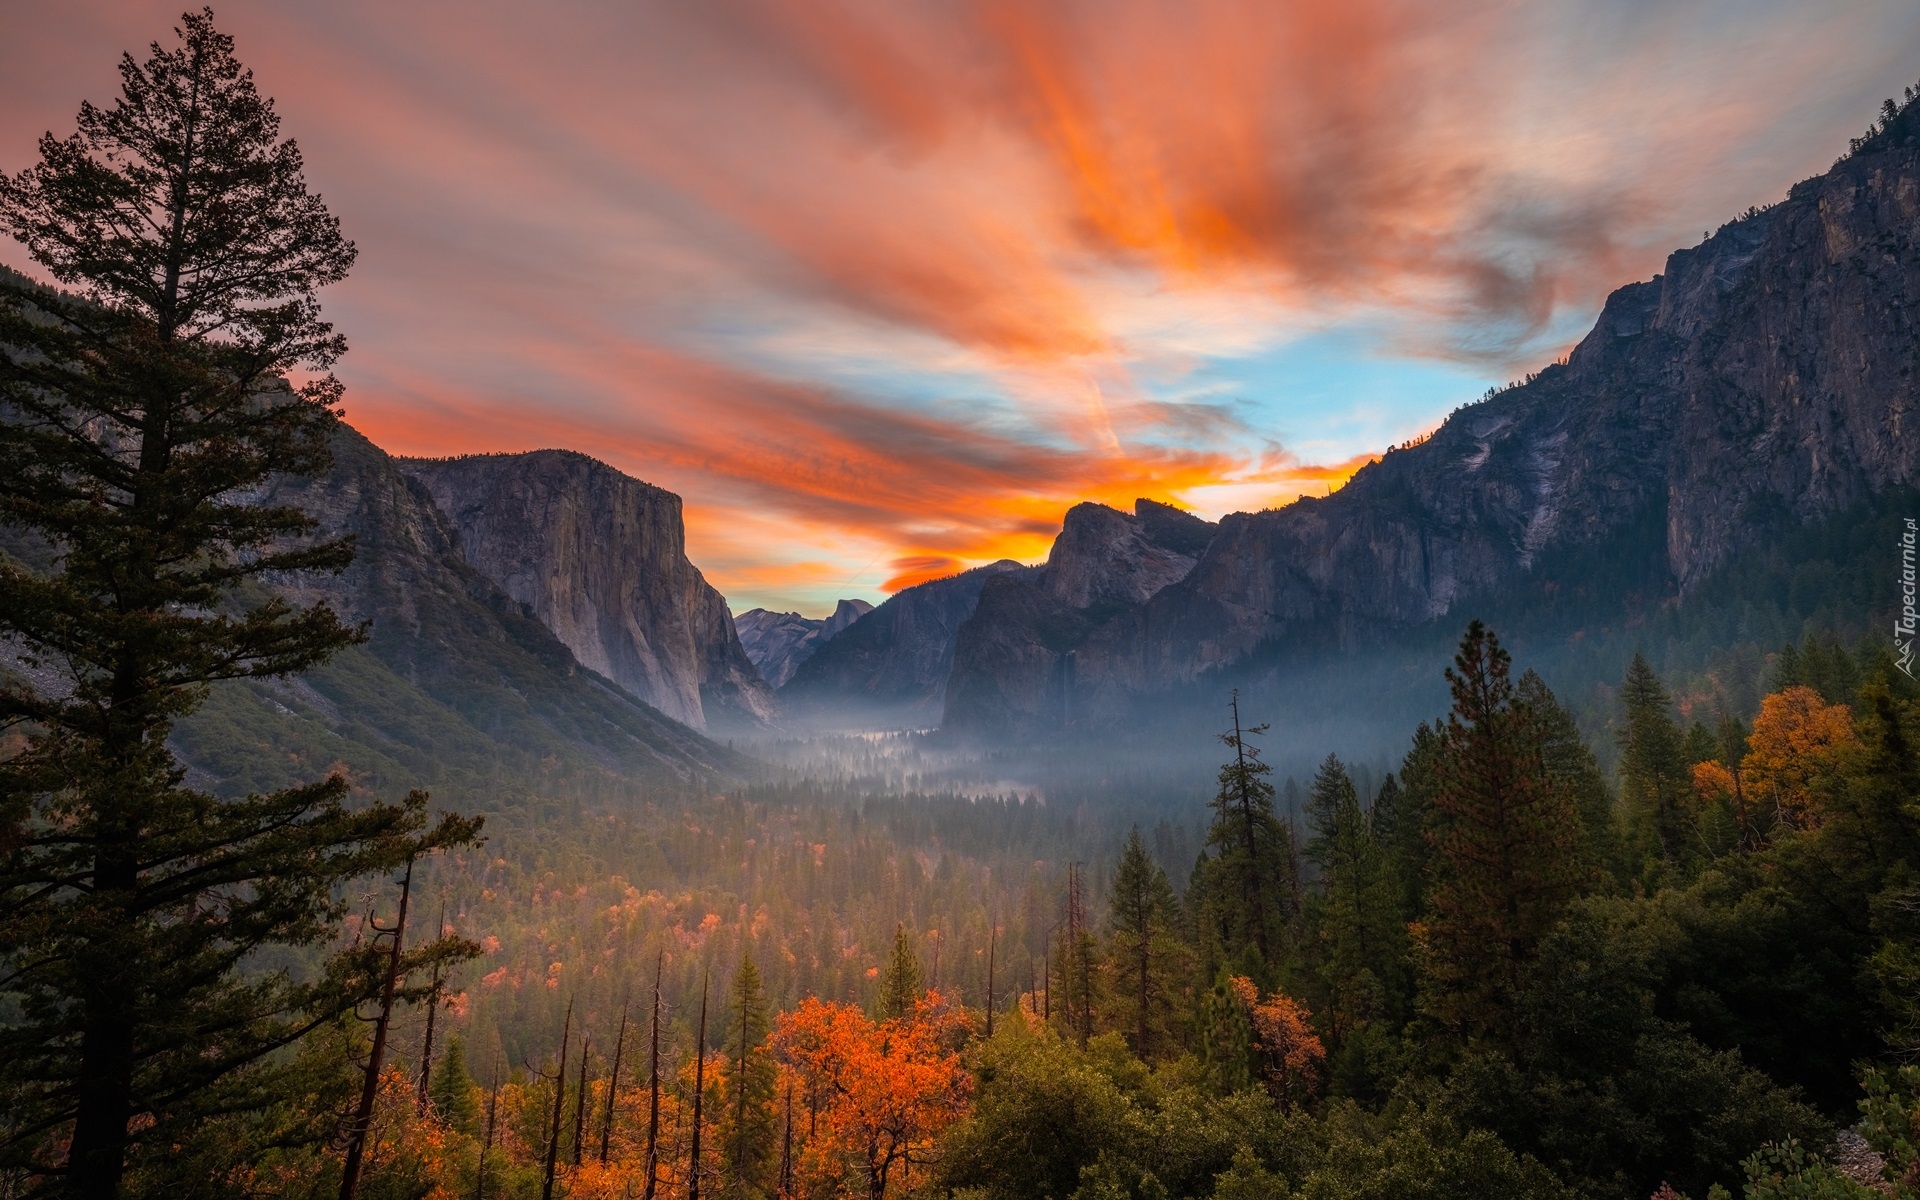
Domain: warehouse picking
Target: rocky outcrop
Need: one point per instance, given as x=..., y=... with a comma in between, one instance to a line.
x=1014, y=663
x=891, y=665
x=455, y=680
x=600, y=559
x=778, y=642
x=1766, y=377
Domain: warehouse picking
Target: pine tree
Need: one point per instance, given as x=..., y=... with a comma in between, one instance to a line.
x=1244, y=888
x=1226, y=1035
x=1413, y=807
x=1787, y=669
x=1655, y=785
x=1506, y=841
x=1144, y=952
x=747, y=1126
x=1358, y=926
x=1568, y=759
x=138, y=414
x=1076, y=965
x=900, y=985
x=452, y=1089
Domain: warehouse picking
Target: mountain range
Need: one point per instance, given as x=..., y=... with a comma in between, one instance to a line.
x=537, y=613
x=778, y=642
x=1765, y=381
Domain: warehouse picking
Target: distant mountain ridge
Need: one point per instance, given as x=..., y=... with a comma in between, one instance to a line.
x=778, y=642
x=891, y=665
x=1765, y=380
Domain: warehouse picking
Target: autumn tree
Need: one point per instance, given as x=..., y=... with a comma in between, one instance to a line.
x=747, y=1125
x=1795, y=755
x=1143, y=949
x=885, y=1091
x=1290, y=1054
x=1243, y=889
x=140, y=412
x=1506, y=844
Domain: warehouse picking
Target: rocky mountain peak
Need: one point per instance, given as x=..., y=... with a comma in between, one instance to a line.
x=1104, y=557
x=778, y=642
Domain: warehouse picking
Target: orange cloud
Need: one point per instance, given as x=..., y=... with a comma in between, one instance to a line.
x=920, y=568
x=874, y=284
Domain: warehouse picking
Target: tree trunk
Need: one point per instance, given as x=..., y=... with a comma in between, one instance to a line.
x=370, y=1087
x=613, y=1082
x=699, y=1094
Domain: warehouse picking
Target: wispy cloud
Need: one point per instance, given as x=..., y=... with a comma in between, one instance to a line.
x=882, y=287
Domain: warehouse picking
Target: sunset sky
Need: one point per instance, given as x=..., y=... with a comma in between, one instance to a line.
x=882, y=288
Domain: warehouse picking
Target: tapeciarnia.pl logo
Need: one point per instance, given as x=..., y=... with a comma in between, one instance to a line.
x=1903, y=626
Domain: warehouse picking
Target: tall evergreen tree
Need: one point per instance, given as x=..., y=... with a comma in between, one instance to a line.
x=1506, y=840
x=901, y=983
x=1076, y=965
x=747, y=1125
x=1226, y=1036
x=1243, y=889
x=452, y=1090
x=1360, y=943
x=1569, y=760
x=1142, y=913
x=1406, y=836
x=139, y=414
x=1655, y=785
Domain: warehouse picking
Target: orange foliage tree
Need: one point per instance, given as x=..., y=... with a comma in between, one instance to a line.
x=1798, y=746
x=1288, y=1051
x=880, y=1093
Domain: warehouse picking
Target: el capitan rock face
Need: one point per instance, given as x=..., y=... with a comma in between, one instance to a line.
x=600, y=559
x=778, y=642
x=474, y=673
x=1768, y=376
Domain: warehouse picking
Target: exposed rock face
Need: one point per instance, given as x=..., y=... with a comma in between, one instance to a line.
x=779, y=642
x=1768, y=375
x=892, y=663
x=472, y=674
x=600, y=559
x=1014, y=662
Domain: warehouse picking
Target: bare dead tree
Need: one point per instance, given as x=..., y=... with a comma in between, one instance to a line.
x=370, y=1086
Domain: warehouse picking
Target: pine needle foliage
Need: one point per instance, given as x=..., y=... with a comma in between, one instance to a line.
x=140, y=410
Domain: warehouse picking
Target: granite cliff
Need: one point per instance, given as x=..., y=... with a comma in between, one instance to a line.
x=778, y=642
x=600, y=559
x=457, y=689
x=1014, y=657
x=1766, y=379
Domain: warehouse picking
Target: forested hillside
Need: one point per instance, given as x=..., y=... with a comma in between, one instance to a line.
x=1499, y=970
